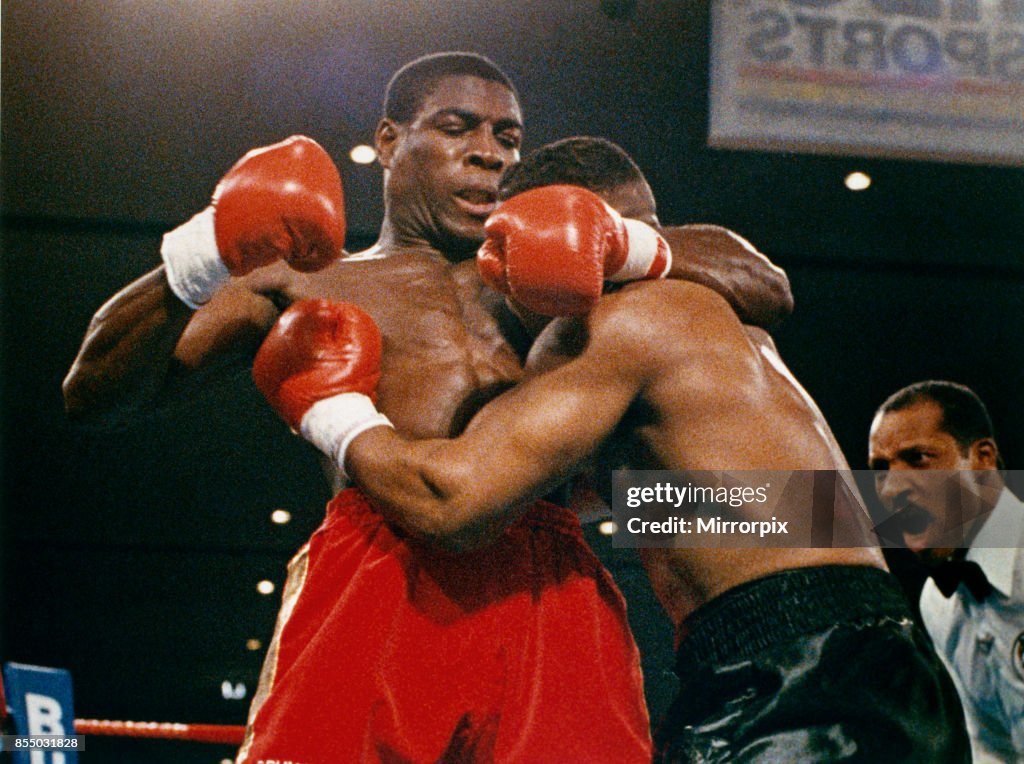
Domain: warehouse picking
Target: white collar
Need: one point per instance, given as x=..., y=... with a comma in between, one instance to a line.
x=998, y=542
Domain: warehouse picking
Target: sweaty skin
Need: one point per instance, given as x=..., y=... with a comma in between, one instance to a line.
x=448, y=340
x=443, y=332
x=449, y=344
x=669, y=371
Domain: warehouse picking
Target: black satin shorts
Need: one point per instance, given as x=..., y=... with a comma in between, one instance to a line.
x=811, y=665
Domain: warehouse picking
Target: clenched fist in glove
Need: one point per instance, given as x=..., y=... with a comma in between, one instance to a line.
x=552, y=248
x=319, y=368
x=280, y=202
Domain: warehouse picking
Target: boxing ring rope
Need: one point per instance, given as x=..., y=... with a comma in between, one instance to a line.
x=201, y=733
x=226, y=734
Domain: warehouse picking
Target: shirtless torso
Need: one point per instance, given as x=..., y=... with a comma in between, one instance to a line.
x=718, y=397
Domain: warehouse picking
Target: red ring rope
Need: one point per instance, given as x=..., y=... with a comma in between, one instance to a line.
x=204, y=733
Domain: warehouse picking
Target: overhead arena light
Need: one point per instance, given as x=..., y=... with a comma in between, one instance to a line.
x=362, y=154
x=857, y=181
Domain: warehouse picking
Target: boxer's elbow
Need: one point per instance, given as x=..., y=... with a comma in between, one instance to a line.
x=83, y=396
x=90, y=400
x=443, y=523
x=782, y=298
x=76, y=404
x=427, y=491
x=449, y=512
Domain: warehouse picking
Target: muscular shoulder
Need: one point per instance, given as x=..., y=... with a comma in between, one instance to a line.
x=646, y=311
x=667, y=325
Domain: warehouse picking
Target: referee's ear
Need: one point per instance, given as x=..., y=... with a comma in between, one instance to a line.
x=984, y=455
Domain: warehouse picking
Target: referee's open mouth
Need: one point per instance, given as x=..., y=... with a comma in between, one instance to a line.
x=916, y=525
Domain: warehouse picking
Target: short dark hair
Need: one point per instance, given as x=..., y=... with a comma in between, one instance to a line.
x=414, y=81
x=596, y=164
x=964, y=416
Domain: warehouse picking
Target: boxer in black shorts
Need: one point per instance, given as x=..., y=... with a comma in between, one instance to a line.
x=817, y=664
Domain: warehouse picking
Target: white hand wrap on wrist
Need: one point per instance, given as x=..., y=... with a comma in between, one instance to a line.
x=194, y=268
x=649, y=254
x=331, y=424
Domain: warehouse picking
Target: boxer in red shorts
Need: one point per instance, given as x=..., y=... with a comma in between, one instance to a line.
x=396, y=651
x=271, y=237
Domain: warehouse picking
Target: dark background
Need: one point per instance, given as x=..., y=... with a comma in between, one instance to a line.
x=131, y=555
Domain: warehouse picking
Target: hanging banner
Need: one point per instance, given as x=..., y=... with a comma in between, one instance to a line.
x=904, y=79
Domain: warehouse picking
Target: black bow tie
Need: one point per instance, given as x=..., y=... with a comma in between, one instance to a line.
x=948, y=575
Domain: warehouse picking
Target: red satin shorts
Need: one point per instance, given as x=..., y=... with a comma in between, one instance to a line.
x=387, y=650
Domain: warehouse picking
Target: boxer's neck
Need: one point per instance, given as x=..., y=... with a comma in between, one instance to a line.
x=395, y=239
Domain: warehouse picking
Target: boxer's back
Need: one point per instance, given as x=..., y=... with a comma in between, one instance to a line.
x=719, y=397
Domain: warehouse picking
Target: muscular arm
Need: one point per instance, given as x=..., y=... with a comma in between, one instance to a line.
x=144, y=333
x=278, y=204
x=717, y=258
x=462, y=492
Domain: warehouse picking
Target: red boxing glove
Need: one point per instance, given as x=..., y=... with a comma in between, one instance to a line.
x=280, y=202
x=319, y=368
x=551, y=249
